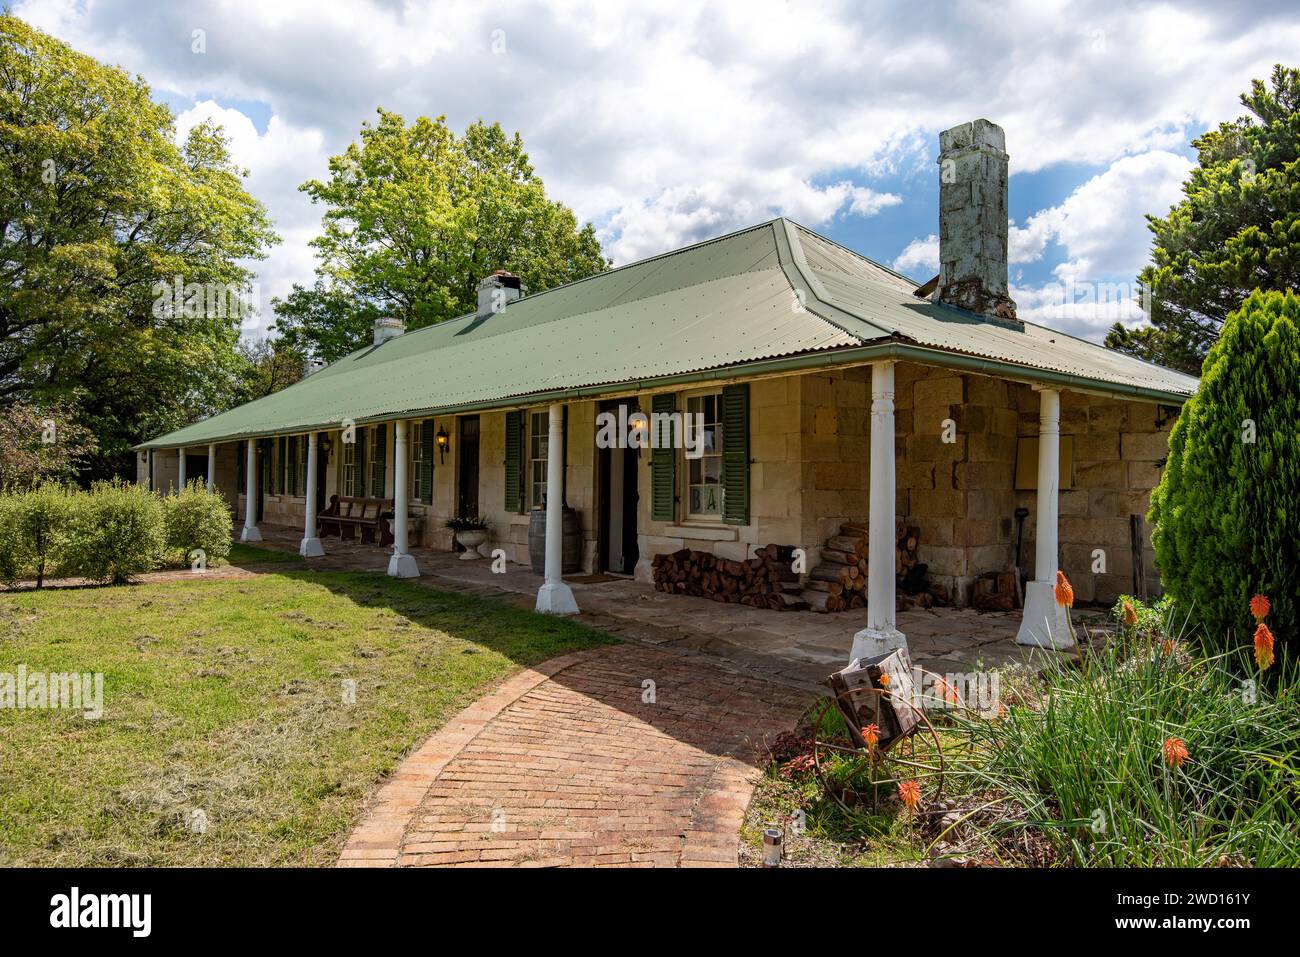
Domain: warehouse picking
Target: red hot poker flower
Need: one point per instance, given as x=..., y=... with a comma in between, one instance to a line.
x=1259, y=607
x=1263, y=647
x=1064, y=593
x=1175, y=752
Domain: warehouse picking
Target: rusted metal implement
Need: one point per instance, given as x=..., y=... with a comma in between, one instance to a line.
x=865, y=738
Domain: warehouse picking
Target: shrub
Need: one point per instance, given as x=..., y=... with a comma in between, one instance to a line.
x=1226, y=512
x=196, y=519
x=115, y=532
x=33, y=533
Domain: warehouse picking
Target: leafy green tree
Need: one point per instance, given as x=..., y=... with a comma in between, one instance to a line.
x=40, y=445
x=1227, y=510
x=271, y=364
x=414, y=217
x=1236, y=230
x=325, y=322
x=123, y=254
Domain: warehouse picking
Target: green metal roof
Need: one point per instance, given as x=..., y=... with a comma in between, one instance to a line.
x=771, y=297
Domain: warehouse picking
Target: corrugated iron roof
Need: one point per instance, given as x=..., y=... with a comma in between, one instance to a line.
x=769, y=292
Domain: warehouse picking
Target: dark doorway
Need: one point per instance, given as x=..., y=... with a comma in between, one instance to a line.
x=467, y=468
x=618, y=498
x=322, y=470
x=196, y=467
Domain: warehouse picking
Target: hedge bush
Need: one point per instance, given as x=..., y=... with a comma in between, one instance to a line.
x=33, y=529
x=197, y=520
x=1227, y=510
x=114, y=533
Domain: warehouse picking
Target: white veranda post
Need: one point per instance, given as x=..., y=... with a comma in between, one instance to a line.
x=881, y=635
x=180, y=469
x=310, y=546
x=212, y=466
x=402, y=563
x=555, y=596
x=1044, y=623
x=250, y=532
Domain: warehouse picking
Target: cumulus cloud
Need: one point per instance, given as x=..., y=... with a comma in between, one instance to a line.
x=1100, y=225
x=919, y=256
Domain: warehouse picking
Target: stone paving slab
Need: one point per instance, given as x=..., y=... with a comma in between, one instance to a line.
x=580, y=762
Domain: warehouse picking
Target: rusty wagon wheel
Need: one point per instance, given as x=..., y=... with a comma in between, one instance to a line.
x=857, y=777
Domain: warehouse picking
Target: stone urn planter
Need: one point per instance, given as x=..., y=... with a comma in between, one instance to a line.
x=471, y=532
x=471, y=540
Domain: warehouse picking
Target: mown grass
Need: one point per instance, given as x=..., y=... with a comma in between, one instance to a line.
x=244, y=554
x=226, y=698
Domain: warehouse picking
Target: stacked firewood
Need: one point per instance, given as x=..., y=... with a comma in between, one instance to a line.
x=839, y=581
x=767, y=580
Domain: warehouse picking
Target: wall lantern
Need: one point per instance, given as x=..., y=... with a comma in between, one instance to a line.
x=326, y=444
x=443, y=440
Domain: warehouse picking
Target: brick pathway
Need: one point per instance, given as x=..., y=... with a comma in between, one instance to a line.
x=566, y=764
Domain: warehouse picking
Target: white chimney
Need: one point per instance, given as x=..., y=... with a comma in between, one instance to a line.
x=497, y=291
x=973, y=220
x=388, y=327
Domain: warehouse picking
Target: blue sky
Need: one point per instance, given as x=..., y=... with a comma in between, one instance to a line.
x=667, y=123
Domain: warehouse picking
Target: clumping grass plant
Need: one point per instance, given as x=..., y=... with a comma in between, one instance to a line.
x=1147, y=752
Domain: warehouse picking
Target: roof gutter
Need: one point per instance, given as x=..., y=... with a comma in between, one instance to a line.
x=785, y=365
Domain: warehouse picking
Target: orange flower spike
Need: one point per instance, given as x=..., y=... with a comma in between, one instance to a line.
x=1064, y=593
x=884, y=678
x=871, y=735
x=1168, y=647
x=1175, y=752
x=1130, y=615
x=910, y=794
x=1263, y=647
x=1259, y=607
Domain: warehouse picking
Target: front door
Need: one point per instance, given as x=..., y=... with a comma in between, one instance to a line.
x=467, y=468
x=618, y=495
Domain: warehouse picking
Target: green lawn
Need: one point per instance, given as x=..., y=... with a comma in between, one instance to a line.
x=226, y=698
x=241, y=554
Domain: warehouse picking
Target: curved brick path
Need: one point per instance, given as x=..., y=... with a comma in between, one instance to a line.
x=565, y=764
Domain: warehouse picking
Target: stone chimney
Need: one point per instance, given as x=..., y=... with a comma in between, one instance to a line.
x=497, y=291
x=388, y=327
x=973, y=220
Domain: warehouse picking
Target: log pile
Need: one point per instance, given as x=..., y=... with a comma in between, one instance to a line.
x=839, y=581
x=767, y=580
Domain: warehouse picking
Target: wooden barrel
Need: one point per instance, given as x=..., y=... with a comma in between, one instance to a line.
x=571, y=560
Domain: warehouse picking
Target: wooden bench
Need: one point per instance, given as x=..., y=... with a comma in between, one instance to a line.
x=349, y=515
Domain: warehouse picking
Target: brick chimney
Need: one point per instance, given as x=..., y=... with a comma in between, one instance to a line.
x=973, y=220
x=497, y=291
x=388, y=327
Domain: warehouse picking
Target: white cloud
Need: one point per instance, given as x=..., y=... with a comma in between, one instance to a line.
x=921, y=255
x=1100, y=225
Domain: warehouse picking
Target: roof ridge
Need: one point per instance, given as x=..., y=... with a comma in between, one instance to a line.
x=853, y=252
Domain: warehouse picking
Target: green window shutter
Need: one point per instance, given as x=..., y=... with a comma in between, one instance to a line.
x=514, y=460
x=427, y=442
x=381, y=452
x=735, y=454
x=663, y=467
x=291, y=467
